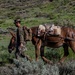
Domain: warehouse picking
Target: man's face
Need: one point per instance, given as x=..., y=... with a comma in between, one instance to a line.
x=17, y=24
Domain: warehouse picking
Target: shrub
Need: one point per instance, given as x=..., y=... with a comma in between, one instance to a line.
x=52, y=54
x=24, y=67
x=67, y=68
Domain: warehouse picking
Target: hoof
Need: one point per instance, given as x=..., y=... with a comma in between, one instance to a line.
x=60, y=63
x=50, y=62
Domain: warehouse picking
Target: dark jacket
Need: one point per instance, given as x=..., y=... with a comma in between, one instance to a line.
x=20, y=36
x=20, y=39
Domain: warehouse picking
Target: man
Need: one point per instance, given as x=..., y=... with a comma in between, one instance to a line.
x=20, y=43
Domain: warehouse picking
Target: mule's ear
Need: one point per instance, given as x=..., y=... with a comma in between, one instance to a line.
x=12, y=33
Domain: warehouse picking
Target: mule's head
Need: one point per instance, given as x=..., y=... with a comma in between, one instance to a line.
x=12, y=43
x=41, y=30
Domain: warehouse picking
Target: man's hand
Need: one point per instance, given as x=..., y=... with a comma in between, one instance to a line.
x=21, y=45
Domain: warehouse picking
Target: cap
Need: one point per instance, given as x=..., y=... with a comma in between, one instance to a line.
x=17, y=20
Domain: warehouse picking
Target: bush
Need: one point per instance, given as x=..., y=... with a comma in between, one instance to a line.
x=52, y=54
x=67, y=68
x=25, y=67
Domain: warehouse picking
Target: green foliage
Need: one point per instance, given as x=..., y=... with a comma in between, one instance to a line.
x=53, y=54
x=4, y=54
x=39, y=68
x=30, y=50
x=25, y=67
x=67, y=68
x=37, y=12
x=60, y=12
x=35, y=21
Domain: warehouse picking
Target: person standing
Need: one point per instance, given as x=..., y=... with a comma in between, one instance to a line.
x=20, y=42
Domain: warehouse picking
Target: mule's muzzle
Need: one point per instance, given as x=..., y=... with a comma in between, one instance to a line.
x=9, y=50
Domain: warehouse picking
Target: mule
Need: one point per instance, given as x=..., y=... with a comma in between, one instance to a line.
x=12, y=46
x=42, y=39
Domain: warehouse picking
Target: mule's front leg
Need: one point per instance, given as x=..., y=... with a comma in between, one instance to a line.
x=37, y=53
x=37, y=49
x=43, y=57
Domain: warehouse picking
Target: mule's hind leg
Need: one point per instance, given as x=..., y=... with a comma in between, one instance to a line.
x=66, y=53
x=43, y=57
x=72, y=45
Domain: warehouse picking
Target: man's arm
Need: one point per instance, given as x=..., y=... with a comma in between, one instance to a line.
x=21, y=35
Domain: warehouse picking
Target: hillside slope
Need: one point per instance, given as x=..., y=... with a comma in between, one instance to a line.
x=35, y=12
x=11, y=8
